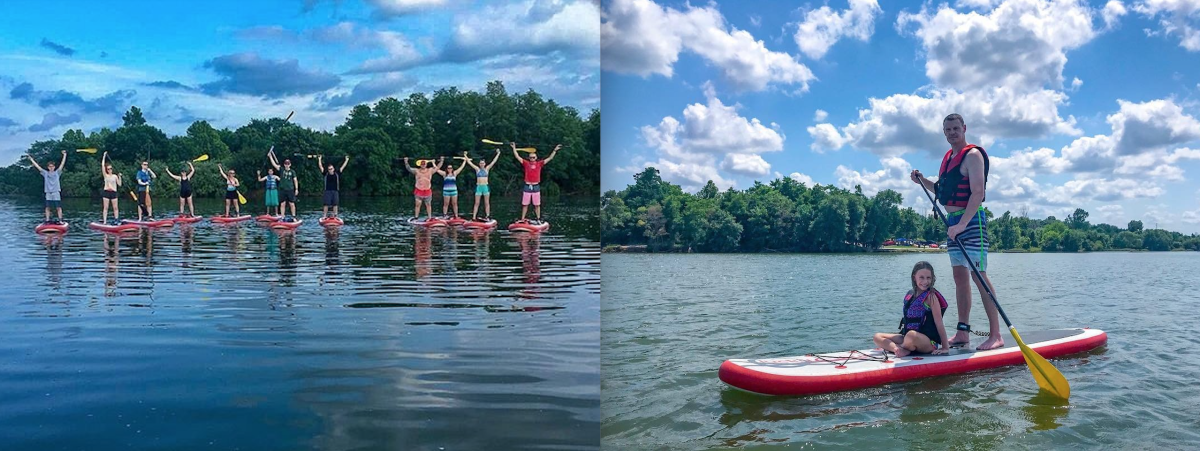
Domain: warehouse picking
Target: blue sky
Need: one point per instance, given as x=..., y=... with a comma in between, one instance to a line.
x=1080, y=104
x=81, y=65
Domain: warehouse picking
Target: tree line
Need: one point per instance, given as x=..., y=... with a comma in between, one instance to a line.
x=376, y=137
x=787, y=216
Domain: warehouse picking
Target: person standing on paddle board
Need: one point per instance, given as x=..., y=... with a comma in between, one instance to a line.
x=422, y=190
x=333, y=185
x=962, y=178
x=289, y=186
x=531, y=192
x=272, y=194
x=231, y=194
x=51, y=185
x=481, y=185
x=109, y=194
x=921, y=328
x=185, y=188
x=450, y=188
x=145, y=176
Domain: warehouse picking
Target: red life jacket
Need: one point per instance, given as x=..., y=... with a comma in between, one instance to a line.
x=954, y=187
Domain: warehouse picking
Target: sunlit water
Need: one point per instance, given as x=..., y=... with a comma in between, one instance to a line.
x=374, y=336
x=670, y=320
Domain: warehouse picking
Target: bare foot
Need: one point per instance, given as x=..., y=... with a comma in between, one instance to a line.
x=901, y=352
x=960, y=338
x=992, y=342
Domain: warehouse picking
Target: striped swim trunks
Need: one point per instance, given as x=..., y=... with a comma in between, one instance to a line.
x=974, y=238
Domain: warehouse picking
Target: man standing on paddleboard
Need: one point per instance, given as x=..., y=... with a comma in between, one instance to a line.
x=531, y=192
x=50, y=179
x=962, y=178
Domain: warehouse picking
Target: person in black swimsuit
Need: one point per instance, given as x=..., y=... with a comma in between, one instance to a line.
x=185, y=189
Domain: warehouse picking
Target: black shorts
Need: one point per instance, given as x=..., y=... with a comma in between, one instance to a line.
x=185, y=194
x=331, y=198
x=231, y=195
x=106, y=194
x=287, y=195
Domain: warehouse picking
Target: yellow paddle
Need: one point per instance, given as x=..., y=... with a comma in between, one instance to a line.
x=241, y=198
x=91, y=150
x=488, y=141
x=201, y=158
x=1046, y=375
x=527, y=149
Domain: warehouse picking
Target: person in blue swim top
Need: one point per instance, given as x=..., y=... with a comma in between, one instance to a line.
x=450, y=188
x=145, y=176
x=231, y=194
x=272, y=194
x=481, y=185
x=51, y=185
x=921, y=328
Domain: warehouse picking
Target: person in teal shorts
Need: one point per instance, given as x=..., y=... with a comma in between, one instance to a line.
x=481, y=185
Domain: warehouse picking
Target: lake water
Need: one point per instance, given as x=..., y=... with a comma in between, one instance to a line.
x=374, y=336
x=669, y=321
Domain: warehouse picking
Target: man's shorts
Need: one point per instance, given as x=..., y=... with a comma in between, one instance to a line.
x=974, y=238
x=532, y=194
x=287, y=195
x=331, y=198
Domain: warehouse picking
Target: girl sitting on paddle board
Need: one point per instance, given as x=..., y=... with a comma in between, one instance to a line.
x=922, y=320
x=272, y=196
x=481, y=185
x=231, y=193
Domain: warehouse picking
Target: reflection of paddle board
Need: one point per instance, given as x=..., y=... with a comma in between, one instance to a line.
x=158, y=223
x=229, y=219
x=331, y=221
x=490, y=223
x=187, y=219
x=112, y=228
x=529, y=227
x=822, y=373
x=267, y=218
x=456, y=221
x=286, y=225
x=51, y=228
x=427, y=222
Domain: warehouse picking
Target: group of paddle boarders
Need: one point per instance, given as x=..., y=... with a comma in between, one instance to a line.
x=282, y=187
x=960, y=188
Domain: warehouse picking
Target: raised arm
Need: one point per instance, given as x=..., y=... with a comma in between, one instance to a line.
x=152, y=174
x=171, y=174
x=271, y=157
x=467, y=159
x=103, y=160
x=193, y=170
x=222, y=169
x=461, y=166
x=344, y=163
x=260, y=176
x=552, y=154
x=494, y=159
x=35, y=165
x=515, y=154
x=409, y=166
x=62, y=166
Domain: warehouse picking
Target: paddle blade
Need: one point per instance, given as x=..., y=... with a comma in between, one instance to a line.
x=242, y=200
x=201, y=158
x=87, y=150
x=420, y=163
x=133, y=196
x=488, y=141
x=1047, y=376
x=527, y=149
x=289, y=116
x=461, y=158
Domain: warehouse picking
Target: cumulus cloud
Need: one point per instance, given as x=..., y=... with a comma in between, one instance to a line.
x=893, y=176
x=1112, y=12
x=169, y=84
x=57, y=48
x=532, y=27
x=802, y=178
x=250, y=74
x=642, y=38
x=689, y=150
x=1021, y=44
x=394, y=8
x=825, y=137
x=823, y=27
x=52, y=120
x=820, y=116
x=116, y=101
x=1176, y=17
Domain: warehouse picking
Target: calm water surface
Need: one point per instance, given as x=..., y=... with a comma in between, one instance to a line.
x=670, y=320
x=376, y=336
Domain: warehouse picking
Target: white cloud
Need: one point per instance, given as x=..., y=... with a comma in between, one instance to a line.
x=825, y=137
x=1076, y=84
x=393, y=8
x=642, y=38
x=1020, y=45
x=820, y=116
x=530, y=27
x=1177, y=18
x=802, y=178
x=1112, y=12
x=690, y=150
x=893, y=175
x=823, y=27
x=1151, y=125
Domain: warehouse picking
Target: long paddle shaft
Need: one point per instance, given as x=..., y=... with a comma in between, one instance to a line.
x=1046, y=375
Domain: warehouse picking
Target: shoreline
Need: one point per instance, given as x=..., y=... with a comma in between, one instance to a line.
x=643, y=249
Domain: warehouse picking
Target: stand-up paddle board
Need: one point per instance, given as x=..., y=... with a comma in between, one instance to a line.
x=427, y=222
x=823, y=373
x=455, y=221
x=331, y=221
x=267, y=218
x=488, y=224
x=187, y=219
x=51, y=228
x=112, y=228
x=152, y=224
x=527, y=226
x=229, y=219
